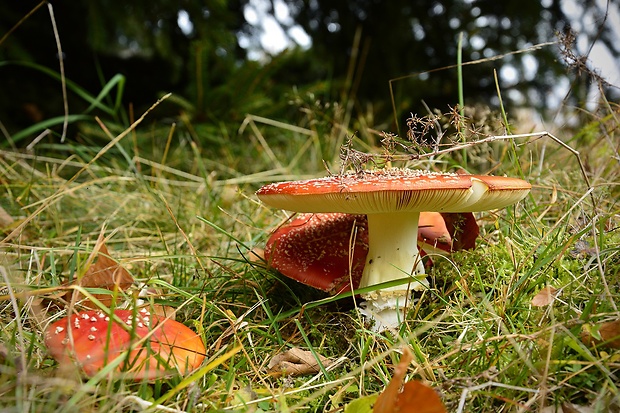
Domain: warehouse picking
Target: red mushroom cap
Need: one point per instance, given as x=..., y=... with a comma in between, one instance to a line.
x=447, y=231
x=314, y=249
x=432, y=231
x=92, y=339
x=395, y=190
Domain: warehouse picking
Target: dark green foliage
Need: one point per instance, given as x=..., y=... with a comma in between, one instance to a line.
x=357, y=47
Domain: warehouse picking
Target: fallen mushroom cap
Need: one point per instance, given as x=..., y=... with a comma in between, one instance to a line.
x=92, y=340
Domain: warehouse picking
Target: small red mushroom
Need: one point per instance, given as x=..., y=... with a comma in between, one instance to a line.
x=447, y=232
x=92, y=339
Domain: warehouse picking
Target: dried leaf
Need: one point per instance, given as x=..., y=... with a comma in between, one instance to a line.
x=573, y=408
x=544, y=297
x=416, y=397
x=104, y=273
x=296, y=362
x=582, y=249
x=606, y=334
x=568, y=408
x=386, y=403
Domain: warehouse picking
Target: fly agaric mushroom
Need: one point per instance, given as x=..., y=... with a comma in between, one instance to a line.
x=392, y=199
x=93, y=339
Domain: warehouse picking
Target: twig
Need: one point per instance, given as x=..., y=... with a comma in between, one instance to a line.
x=23, y=19
x=63, y=82
x=356, y=155
x=467, y=390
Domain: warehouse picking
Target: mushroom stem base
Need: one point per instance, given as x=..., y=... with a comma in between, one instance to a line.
x=387, y=307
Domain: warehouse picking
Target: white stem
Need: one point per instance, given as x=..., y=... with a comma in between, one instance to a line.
x=392, y=254
x=392, y=248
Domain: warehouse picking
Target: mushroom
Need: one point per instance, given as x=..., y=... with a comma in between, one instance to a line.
x=392, y=199
x=92, y=339
x=324, y=251
x=447, y=232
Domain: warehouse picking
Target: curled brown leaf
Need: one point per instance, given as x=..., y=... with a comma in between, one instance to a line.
x=103, y=273
x=296, y=362
x=606, y=334
x=416, y=397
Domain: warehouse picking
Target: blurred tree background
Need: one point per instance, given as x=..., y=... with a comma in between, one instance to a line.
x=217, y=60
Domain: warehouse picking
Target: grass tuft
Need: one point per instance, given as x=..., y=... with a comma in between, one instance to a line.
x=182, y=218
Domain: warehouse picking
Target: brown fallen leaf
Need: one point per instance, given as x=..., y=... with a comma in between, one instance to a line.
x=296, y=362
x=416, y=397
x=568, y=408
x=606, y=334
x=544, y=297
x=103, y=273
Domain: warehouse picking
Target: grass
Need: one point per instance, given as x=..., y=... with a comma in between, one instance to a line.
x=180, y=215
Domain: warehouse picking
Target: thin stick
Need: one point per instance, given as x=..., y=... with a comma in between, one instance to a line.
x=536, y=135
x=63, y=83
x=23, y=19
